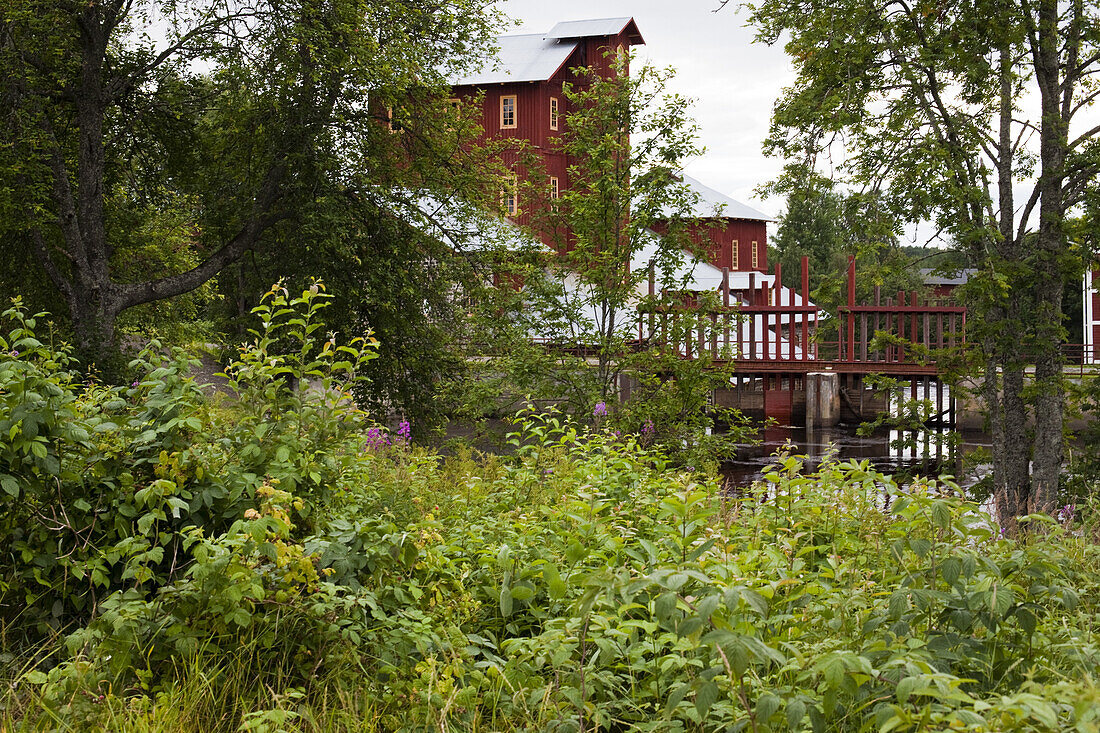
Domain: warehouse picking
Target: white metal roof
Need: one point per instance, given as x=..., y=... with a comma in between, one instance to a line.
x=536, y=56
x=590, y=28
x=711, y=201
x=530, y=57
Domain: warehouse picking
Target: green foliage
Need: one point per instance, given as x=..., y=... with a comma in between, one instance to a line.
x=221, y=133
x=579, y=583
x=109, y=492
x=828, y=226
x=582, y=301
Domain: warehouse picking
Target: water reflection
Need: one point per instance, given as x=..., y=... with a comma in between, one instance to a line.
x=892, y=452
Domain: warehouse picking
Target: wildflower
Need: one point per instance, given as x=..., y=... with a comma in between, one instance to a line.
x=601, y=409
x=376, y=438
x=135, y=383
x=648, y=428
x=14, y=353
x=404, y=431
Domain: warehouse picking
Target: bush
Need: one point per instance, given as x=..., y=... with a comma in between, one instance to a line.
x=276, y=561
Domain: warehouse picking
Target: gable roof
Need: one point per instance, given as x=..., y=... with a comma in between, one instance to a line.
x=711, y=201
x=597, y=27
x=538, y=56
x=530, y=57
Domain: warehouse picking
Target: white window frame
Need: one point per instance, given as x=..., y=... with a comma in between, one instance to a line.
x=554, y=113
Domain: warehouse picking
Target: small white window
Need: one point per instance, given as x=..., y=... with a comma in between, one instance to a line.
x=553, y=113
x=755, y=255
x=733, y=263
x=508, y=111
x=554, y=190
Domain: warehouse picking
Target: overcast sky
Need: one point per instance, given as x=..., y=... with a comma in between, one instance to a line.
x=733, y=81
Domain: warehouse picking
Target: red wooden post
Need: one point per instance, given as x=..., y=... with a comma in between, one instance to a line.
x=805, y=303
x=851, y=304
x=901, y=325
x=767, y=320
x=777, y=290
x=725, y=307
x=752, y=315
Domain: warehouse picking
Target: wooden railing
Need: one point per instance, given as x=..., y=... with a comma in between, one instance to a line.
x=773, y=324
x=762, y=327
x=894, y=330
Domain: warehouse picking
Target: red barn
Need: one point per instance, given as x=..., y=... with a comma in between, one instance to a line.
x=731, y=234
x=521, y=87
x=521, y=97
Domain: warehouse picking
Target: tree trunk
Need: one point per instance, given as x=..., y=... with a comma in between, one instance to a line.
x=1051, y=242
x=94, y=308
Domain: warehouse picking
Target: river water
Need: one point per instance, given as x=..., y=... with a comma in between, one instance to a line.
x=926, y=453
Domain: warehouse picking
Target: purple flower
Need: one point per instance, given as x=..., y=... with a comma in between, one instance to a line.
x=404, y=431
x=1067, y=512
x=1004, y=532
x=648, y=428
x=14, y=353
x=134, y=384
x=376, y=438
x=601, y=409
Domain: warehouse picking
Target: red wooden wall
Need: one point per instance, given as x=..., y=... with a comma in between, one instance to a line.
x=715, y=239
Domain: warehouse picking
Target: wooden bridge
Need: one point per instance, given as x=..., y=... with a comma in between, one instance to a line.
x=772, y=335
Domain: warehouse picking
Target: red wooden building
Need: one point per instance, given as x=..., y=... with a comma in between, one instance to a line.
x=520, y=93
x=521, y=88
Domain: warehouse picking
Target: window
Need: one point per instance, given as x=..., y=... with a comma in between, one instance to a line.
x=755, y=255
x=733, y=262
x=553, y=113
x=509, y=197
x=554, y=190
x=508, y=111
x=392, y=123
x=622, y=57
x=455, y=105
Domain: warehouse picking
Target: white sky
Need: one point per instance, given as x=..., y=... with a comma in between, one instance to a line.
x=733, y=81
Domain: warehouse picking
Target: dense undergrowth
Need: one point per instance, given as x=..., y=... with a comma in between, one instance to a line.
x=170, y=561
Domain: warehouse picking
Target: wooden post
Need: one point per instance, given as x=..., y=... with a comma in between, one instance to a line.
x=726, y=309
x=805, y=303
x=863, y=336
x=877, y=325
x=901, y=324
x=777, y=300
x=913, y=301
x=752, y=315
x=851, y=304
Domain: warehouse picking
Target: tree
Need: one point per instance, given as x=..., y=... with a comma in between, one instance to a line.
x=950, y=111
x=237, y=119
x=628, y=137
x=828, y=226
